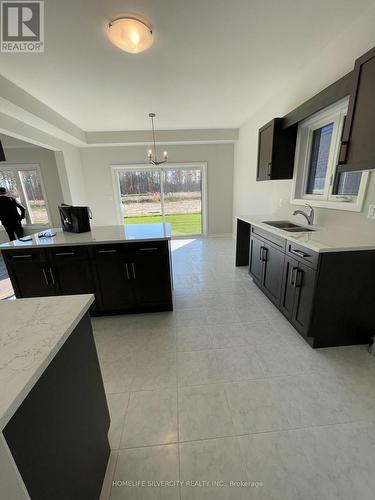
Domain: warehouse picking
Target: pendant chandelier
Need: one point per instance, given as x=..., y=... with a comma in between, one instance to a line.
x=152, y=155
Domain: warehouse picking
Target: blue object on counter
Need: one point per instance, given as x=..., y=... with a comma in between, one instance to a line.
x=46, y=234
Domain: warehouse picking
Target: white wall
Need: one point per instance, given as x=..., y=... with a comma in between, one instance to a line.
x=71, y=175
x=49, y=172
x=251, y=197
x=97, y=161
x=67, y=157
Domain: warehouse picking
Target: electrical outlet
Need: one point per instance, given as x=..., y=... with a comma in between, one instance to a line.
x=371, y=212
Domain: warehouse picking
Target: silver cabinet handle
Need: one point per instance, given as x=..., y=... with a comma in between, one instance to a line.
x=52, y=277
x=299, y=278
x=299, y=253
x=148, y=249
x=65, y=253
x=107, y=251
x=260, y=253
x=292, y=277
x=45, y=276
x=22, y=256
x=264, y=254
x=269, y=169
x=127, y=272
x=133, y=267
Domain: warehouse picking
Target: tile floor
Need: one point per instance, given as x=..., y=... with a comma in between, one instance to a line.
x=225, y=390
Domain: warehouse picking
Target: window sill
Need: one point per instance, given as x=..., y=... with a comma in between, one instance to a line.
x=347, y=206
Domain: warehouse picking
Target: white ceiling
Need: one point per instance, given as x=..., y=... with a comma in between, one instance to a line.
x=13, y=143
x=212, y=64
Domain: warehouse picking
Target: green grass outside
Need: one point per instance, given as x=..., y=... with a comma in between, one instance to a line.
x=180, y=223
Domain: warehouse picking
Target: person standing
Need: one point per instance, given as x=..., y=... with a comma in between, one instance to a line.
x=11, y=214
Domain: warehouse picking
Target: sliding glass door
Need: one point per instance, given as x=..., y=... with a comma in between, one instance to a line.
x=168, y=194
x=140, y=193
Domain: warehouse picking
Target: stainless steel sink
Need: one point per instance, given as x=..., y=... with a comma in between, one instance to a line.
x=288, y=226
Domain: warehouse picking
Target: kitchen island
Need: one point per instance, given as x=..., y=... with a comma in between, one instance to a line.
x=126, y=267
x=53, y=412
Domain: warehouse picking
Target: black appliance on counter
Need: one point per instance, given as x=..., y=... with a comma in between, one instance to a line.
x=75, y=219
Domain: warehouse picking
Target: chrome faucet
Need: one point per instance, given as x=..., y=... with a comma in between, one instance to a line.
x=309, y=216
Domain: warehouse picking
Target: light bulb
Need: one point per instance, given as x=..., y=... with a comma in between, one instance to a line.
x=135, y=38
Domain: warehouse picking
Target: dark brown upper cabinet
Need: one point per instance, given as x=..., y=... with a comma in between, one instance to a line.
x=276, y=148
x=357, y=150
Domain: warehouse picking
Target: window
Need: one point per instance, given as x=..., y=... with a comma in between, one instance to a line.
x=172, y=194
x=320, y=146
x=315, y=172
x=25, y=184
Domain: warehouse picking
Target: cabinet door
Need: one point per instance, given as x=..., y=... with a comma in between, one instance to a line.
x=256, y=263
x=304, y=297
x=273, y=262
x=287, y=289
x=71, y=270
x=114, y=281
x=32, y=279
x=265, y=147
x=152, y=283
x=358, y=147
x=276, y=149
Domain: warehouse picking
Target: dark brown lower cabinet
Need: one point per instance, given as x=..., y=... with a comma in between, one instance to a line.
x=328, y=297
x=297, y=296
x=115, y=290
x=124, y=277
x=151, y=278
x=273, y=261
x=256, y=260
x=66, y=264
x=266, y=268
x=31, y=279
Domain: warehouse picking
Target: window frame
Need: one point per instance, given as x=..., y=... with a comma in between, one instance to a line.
x=17, y=167
x=333, y=114
x=146, y=166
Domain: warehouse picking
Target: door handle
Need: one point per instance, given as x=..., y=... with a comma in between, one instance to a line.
x=52, y=276
x=292, y=277
x=133, y=267
x=260, y=253
x=127, y=272
x=45, y=276
x=264, y=254
x=299, y=278
x=269, y=166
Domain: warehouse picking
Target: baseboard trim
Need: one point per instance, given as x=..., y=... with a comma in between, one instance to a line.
x=220, y=235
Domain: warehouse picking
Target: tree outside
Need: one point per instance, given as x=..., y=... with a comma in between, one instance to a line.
x=141, y=196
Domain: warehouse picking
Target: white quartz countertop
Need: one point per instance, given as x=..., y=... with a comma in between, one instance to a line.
x=32, y=332
x=98, y=235
x=322, y=239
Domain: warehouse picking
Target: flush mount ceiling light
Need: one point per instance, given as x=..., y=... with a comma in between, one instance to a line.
x=130, y=34
x=152, y=156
